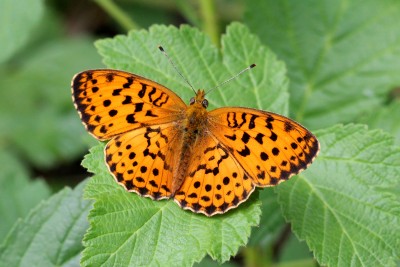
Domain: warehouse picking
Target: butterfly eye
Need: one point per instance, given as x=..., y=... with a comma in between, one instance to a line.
x=191, y=102
x=205, y=103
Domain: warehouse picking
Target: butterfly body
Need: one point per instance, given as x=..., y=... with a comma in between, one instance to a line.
x=208, y=161
x=194, y=128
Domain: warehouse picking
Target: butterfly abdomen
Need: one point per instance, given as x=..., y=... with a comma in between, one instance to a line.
x=193, y=126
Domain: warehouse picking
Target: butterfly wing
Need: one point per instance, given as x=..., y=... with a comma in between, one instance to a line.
x=143, y=159
x=269, y=147
x=112, y=102
x=245, y=148
x=215, y=181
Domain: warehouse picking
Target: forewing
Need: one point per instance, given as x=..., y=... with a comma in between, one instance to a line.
x=142, y=160
x=269, y=147
x=215, y=181
x=112, y=102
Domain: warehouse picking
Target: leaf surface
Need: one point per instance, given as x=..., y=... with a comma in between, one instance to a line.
x=347, y=204
x=51, y=234
x=343, y=57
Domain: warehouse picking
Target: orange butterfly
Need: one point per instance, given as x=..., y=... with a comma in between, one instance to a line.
x=209, y=162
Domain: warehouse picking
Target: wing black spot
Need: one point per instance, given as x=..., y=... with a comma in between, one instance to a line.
x=264, y=156
x=106, y=103
x=288, y=126
x=208, y=188
x=226, y=180
x=155, y=172
x=245, y=137
x=244, y=152
x=113, y=112
x=116, y=92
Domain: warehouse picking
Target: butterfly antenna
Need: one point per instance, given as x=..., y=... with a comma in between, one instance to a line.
x=173, y=65
x=231, y=78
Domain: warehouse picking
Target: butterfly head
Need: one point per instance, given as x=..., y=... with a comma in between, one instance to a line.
x=199, y=99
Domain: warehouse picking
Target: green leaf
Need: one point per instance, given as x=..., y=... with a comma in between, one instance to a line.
x=269, y=84
x=127, y=229
x=18, y=194
x=272, y=221
x=17, y=22
x=264, y=87
x=386, y=119
x=347, y=205
x=343, y=56
x=37, y=104
x=51, y=234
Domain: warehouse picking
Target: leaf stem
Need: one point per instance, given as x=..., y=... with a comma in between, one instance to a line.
x=118, y=14
x=210, y=24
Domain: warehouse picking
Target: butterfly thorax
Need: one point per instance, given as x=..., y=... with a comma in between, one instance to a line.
x=194, y=126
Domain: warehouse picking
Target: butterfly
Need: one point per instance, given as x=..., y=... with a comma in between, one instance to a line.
x=207, y=161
